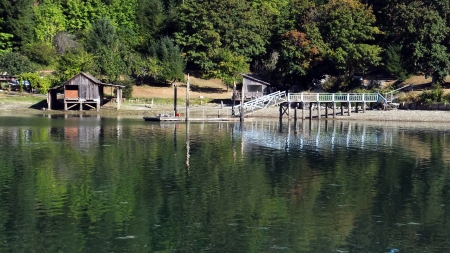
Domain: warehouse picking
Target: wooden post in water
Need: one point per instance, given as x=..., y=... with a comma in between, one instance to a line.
x=295, y=117
x=119, y=97
x=356, y=107
x=295, y=112
x=334, y=110
x=342, y=109
x=175, y=99
x=281, y=113
x=303, y=110
x=188, y=147
x=363, y=104
x=242, y=103
x=187, y=99
x=349, y=106
x=310, y=110
x=318, y=110
x=326, y=110
x=234, y=98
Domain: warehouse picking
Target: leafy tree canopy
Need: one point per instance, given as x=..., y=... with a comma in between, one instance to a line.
x=347, y=26
x=15, y=63
x=206, y=26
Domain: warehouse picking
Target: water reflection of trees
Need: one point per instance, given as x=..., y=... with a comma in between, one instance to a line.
x=132, y=190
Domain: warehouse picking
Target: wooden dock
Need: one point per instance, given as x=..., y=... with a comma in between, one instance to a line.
x=181, y=119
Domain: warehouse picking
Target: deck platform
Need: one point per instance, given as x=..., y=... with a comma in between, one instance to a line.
x=181, y=119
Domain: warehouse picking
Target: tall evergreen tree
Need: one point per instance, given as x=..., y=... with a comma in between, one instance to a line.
x=19, y=20
x=170, y=60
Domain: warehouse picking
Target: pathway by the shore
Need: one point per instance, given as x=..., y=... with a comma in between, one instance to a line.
x=213, y=110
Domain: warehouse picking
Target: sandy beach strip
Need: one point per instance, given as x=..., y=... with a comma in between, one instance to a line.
x=213, y=110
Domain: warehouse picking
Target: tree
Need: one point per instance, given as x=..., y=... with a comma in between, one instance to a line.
x=230, y=66
x=122, y=13
x=394, y=62
x=15, y=63
x=41, y=52
x=5, y=42
x=205, y=26
x=297, y=55
x=37, y=82
x=347, y=26
x=50, y=20
x=74, y=62
x=5, y=39
x=65, y=42
x=422, y=31
x=19, y=20
x=101, y=35
x=81, y=14
x=149, y=20
x=170, y=59
x=110, y=64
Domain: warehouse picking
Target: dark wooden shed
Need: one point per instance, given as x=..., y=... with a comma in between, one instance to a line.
x=82, y=90
x=253, y=87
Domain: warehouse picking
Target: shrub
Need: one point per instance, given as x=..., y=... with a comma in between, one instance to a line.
x=127, y=92
x=15, y=64
x=434, y=95
x=41, y=84
x=41, y=53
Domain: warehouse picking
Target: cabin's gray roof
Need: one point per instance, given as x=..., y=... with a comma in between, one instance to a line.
x=255, y=78
x=92, y=78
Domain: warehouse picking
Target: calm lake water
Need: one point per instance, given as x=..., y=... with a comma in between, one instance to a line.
x=91, y=184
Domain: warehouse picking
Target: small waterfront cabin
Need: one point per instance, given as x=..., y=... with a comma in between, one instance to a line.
x=253, y=87
x=82, y=90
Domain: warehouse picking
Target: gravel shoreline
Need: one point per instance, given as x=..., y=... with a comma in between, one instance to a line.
x=213, y=110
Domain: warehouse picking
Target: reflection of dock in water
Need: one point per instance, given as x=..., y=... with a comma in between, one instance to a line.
x=316, y=135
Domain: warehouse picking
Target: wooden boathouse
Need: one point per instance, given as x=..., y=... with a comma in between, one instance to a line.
x=253, y=87
x=82, y=90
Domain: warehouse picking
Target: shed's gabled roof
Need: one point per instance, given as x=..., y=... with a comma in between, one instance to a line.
x=255, y=79
x=90, y=77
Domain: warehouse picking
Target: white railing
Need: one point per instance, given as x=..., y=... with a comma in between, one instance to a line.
x=280, y=97
x=335, y=97
x=261, y=102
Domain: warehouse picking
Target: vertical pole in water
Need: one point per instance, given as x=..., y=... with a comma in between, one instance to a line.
x=175, y=99
x=234, y=98
x=187, y=146
x=310, y=110
x=303, y=110
x=318, y=110
x=326, y=110
x=242, y=103
x=356, y=107
x=281, y=112
x=295, y=118
x=187, y=99
x=349, y=105
x=364, y=104
x=334, y=110
x=342, y=108
x=119, y=97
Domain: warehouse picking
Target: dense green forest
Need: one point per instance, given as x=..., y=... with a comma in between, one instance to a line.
x=290, y=42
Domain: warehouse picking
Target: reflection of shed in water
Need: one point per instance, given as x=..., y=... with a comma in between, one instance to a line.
x=70, y=133
x=83, y=132
x=82, y=90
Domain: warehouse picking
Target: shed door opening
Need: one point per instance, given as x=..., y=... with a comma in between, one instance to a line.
x=254, y=88
x=71, y=92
